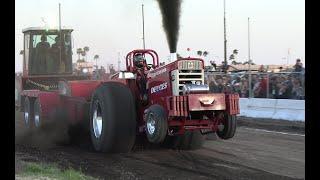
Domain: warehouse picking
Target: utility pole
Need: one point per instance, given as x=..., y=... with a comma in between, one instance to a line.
x=61, y=65
x=249, y=59
x=119, y=61
x=143, y=38
x=225, y=38
x=288, y=57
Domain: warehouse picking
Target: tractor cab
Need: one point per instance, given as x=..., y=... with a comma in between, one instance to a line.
x=47, y=52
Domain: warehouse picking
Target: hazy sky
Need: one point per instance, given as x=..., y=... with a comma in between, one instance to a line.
x=112, y=26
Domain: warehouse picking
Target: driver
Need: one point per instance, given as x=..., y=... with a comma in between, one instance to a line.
x=41, y=55
x=139, y=62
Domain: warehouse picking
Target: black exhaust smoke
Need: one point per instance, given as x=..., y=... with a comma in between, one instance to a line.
x=170, y=10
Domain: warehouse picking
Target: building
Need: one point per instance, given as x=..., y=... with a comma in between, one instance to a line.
x=83, y=67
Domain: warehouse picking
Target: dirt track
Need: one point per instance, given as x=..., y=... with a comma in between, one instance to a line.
x=251, y=154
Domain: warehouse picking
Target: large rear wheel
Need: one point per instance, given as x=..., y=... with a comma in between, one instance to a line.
x=112, y=118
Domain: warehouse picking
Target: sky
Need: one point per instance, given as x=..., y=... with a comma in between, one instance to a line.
x=110, y=27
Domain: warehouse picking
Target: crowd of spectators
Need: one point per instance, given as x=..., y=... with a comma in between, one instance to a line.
x=281, y=85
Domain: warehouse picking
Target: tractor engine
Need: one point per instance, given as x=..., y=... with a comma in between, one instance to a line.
x=188, y=78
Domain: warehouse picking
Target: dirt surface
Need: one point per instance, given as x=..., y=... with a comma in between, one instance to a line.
x=251, y=154
x=272, y=124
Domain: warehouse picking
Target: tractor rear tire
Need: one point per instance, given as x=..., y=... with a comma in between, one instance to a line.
x=156, y=124
x=229, y=129
x=28, y=112
x=112, y=118
x=191, y=140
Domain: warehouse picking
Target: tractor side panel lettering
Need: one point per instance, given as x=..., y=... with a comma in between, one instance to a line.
x=154, y=74
x=158, y=88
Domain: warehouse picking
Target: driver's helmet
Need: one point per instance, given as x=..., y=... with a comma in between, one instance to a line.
x=138, y=60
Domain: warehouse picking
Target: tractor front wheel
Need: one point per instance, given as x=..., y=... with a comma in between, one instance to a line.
x=156, y=124
x=227, y=128
x=112, y=118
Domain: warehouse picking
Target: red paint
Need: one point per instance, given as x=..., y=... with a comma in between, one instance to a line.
x=179, y=109
x=83, y=88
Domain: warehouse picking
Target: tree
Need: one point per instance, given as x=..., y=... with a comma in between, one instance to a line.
x=231, y=57
x=235, y=51
x=96, y=57
x=205, y=53
x=86, y=50
x=247, y=62
x=199, y=53
x=111, y=69
x=83, y=53
x=79, y=51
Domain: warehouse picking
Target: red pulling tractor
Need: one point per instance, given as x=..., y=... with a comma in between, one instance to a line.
x=166, y=104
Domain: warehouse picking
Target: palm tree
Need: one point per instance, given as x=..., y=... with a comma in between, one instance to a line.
x=234, y=62
x=235, y=51
x=247, y=62
x=96, y=57
x=231, y=57
x=83, y=54
x=79, y=51
x=86, y=50
x=205, y=53
x=199, y=53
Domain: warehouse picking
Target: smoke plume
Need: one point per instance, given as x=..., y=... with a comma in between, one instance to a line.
x=170, y=10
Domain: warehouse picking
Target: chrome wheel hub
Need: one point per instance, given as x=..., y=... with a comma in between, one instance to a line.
x=37, y=120
x=97, y=122
x=151, y=124
x=26, y=118
x=220, y=127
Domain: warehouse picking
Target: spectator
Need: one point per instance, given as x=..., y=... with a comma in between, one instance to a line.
x=244, y=88
x=297, y=90
x=298, y=66
x=284, y=92
x=273, y=89
x=261, y=89
x=261, y=68
x=217, y=87
x=213, y=64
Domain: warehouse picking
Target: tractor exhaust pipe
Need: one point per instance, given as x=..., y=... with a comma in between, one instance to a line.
x=173, y=57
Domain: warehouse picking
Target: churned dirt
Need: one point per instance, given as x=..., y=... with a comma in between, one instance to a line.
x=273, y=124
x=249, y=155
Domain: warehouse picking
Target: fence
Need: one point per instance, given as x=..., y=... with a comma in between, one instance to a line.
x=280, y=85
x=282, y=109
